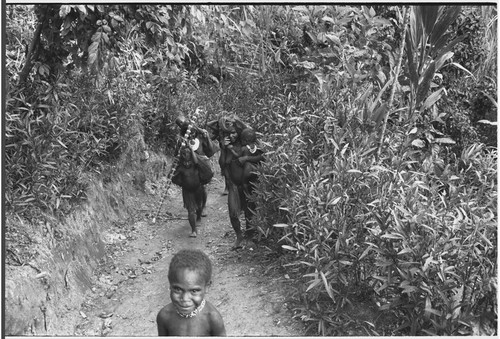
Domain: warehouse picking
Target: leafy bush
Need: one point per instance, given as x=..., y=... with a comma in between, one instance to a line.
x=417, y=239
x=414, y=232
x=53, y=139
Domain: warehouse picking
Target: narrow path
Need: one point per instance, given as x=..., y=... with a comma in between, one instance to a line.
x=132, y=284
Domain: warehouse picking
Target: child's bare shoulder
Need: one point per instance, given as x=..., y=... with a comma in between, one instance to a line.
x=212, y=311
x=210, y=306
x=167, y=312
x=215, y=321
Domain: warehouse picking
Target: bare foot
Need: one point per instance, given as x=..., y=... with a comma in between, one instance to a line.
x=237, y=243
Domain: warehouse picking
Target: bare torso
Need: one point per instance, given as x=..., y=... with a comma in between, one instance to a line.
x=207, y=323
x=235, y=168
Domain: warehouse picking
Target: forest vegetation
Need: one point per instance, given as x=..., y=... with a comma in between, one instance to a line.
x=379, y=123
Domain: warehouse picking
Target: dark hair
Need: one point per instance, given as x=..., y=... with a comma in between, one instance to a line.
x=249, y=134
x=184, y=123
x=194, y=260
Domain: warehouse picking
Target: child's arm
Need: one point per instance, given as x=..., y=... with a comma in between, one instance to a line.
x=217, y=328
x=161, y=322
x=209, y=147
x=258, y=156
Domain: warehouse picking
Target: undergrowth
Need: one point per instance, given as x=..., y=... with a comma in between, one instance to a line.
x=414, y=233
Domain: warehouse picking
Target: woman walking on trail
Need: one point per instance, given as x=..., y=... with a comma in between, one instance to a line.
x=231, y=130
x=199, y=141
x=248, y=157
x=221, y=129
x=241, y=160
x=194, y=194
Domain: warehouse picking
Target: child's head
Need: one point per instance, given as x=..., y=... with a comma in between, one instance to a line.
x=189, y=275
x=194, y=260
x=248, y=136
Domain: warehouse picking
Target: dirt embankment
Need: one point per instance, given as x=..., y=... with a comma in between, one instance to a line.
x=50, y=264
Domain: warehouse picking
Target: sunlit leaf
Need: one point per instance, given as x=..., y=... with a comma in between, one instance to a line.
x=328, y=19
x=487, y=122
x=442, y=59
x=314, y=283
x=333, y=38
x=446, y=141
x=328, y=289
x=414, y=130
x=395, y=236
x=433, y=98
x=418, y=143
x=302, y=9
x=286, y=247
x=404, y=251
x=64, y=10
x=82, y=8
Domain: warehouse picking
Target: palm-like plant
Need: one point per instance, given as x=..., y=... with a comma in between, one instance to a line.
x=428, y=47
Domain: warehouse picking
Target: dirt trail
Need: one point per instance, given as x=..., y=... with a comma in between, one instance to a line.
x=131, y=285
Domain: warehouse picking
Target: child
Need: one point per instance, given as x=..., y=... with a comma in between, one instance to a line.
x=189, y=314
x=247, y=156
x=194, y=195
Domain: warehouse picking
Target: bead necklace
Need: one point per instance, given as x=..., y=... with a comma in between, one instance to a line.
x=193, y=313
x=252, y=149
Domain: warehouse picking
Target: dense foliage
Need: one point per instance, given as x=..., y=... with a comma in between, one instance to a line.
x=380, y=184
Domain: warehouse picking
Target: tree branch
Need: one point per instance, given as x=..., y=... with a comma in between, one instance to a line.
x=32, y=55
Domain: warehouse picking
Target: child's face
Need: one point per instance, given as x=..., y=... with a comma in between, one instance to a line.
x=187, y=290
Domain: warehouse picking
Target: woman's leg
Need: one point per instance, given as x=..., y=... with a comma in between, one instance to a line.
x=201, y=203
x=189, y=199
x=234, y=207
